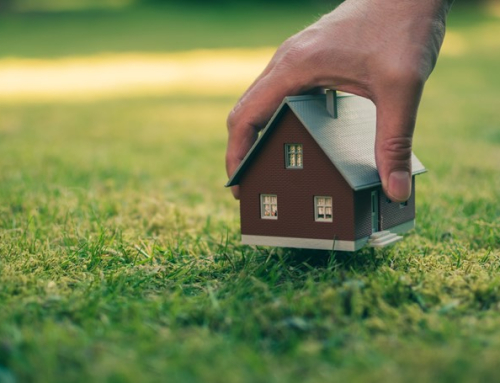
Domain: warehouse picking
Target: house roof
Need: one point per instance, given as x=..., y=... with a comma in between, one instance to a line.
x=348, y=140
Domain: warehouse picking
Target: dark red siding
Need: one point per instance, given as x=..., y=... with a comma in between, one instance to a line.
x=295, y=188
x=391, y=214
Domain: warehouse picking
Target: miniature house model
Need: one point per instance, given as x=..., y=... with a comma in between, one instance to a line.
x=310, y=180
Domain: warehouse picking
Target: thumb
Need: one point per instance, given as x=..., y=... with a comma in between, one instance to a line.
x=396, y=115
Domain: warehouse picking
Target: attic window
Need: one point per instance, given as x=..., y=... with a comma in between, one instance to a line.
x=323, y=209
x=269, y=206
x=293, y=156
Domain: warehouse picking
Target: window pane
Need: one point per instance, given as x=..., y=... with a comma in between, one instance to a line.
x=269, y=206
x=323, y=208
x=299, y=159
x=293, y=155
x=321, y=212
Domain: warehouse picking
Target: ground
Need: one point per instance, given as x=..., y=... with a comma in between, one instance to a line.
x=119, y=247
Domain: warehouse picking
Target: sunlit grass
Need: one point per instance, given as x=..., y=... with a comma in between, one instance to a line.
x=197, y=73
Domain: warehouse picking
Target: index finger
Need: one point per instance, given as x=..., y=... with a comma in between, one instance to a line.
x=250, y=115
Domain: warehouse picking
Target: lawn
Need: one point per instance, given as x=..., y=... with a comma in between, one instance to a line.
x=119, y=247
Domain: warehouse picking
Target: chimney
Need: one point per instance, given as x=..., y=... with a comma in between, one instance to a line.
x=331, y=102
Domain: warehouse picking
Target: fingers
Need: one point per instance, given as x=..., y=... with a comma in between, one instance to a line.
x=252, y=113
x=241, y=138
x=396, y=114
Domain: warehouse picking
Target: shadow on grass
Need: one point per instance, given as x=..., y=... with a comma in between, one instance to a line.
x=307, y=260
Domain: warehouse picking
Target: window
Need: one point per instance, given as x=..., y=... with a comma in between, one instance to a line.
x=323, y=209
x=403, y=204
x=269, y=206
x=293, y=156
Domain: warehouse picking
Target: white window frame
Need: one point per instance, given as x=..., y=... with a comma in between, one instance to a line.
x=294, y=151
x=325, y=205
x=270, y=203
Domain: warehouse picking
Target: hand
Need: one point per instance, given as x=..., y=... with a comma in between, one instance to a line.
x=380, y=49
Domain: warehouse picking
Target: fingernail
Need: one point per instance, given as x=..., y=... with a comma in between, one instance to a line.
x=400, y=185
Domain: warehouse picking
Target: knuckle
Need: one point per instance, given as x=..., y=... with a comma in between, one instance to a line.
x=294, y=65
x=287, y=44
x=285, y=50
x=397, y=149
x=297, y=55
x=300, y=50
x=289, y=58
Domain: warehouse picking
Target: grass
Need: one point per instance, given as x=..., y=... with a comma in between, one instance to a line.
x=120, y=258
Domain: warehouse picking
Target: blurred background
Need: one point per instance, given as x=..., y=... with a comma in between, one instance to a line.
x=84, y=49
x=120, y=255
x=93, y=92
x=55, y=49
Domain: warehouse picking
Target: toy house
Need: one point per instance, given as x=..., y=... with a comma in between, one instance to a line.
x=310, y=180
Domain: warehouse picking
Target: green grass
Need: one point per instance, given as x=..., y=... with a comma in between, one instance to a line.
x=120, y=258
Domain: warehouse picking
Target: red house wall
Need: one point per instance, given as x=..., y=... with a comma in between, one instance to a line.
x=295, y=188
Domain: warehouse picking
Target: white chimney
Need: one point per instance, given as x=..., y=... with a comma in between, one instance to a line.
x=331, y=102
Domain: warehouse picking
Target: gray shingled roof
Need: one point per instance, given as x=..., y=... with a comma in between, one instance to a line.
x=348, y=140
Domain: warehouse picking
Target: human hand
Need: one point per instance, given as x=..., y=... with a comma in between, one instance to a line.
x=383, y=50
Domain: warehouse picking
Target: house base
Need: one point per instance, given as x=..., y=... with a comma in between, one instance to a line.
x=318, y=244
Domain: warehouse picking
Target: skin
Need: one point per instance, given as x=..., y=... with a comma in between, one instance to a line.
x=383, y=50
